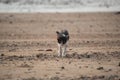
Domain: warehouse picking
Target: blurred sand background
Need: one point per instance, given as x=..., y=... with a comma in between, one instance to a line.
x=59, y=6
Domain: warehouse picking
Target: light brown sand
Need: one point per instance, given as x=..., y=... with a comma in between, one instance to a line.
x=93, y=50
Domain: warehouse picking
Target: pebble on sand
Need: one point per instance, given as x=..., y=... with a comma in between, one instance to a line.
x=119, y=64
x=2, y=54
x=100, y=68
x=49, y=50
x=62, y=67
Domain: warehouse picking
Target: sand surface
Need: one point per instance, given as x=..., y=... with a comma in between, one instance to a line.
x=28, y=47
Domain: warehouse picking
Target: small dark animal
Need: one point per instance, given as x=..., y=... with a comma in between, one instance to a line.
x=62, y=39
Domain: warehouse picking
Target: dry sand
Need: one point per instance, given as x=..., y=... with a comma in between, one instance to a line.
x=28, y=48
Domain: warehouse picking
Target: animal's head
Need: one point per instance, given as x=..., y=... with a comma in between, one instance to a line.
x=63, y=33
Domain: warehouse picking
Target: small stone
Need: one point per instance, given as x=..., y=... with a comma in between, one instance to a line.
x=69, y=62
x=10, y=22
x=80, y=67
x=57, y=60
x=109, y=69
x=101, y=77
x=86, y=66
x=57, y=72
x=49, y=50
x=87, y=41
x=2, y=54
x=87, y=56
x=119, y=64
x=62, y=67
x=100, y=68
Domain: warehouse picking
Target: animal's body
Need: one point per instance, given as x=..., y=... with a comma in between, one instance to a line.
x=62, y=39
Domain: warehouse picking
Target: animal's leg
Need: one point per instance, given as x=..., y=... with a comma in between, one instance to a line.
x=59, y=50
x=64, y=50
